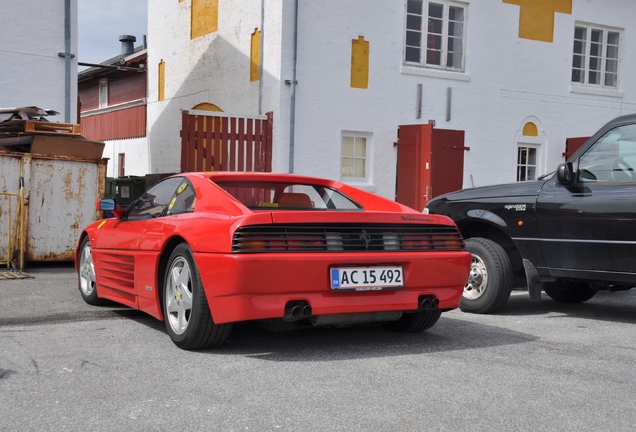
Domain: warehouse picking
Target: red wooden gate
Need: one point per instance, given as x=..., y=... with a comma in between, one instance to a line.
x=212, y=141
x=430, y=163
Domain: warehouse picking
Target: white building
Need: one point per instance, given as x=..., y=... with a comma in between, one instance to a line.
x=36, y=43
x=518, y=77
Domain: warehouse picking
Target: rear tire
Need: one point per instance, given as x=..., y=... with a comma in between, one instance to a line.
x=490, y=278
x=185, y=307
x=568, y=291
x=414, y=322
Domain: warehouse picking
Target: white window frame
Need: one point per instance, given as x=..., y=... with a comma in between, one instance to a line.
x=367, y=157
x=584, y=56
x=416, y=39
x=519, y=165
x=103, y=92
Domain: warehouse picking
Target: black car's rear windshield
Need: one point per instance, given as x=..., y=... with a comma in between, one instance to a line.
x=287, y=196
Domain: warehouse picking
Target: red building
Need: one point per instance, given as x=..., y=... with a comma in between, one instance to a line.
x=112, y=104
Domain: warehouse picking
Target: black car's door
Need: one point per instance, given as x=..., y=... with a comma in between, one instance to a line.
x=590, y=228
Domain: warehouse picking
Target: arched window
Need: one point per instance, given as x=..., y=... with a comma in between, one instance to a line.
x=529, y=141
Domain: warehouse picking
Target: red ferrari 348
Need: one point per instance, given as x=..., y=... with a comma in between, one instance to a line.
x=205, y=250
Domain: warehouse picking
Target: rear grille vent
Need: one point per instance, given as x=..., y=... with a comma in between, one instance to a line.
x=346, y=238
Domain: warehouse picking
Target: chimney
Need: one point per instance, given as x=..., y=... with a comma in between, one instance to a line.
x=127, y=44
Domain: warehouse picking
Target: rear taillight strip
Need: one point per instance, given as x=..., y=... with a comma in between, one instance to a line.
x=315, y=238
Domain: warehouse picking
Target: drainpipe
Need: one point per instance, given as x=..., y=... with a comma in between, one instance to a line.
x=260, y=73
x=67, y=60
x=292, y=109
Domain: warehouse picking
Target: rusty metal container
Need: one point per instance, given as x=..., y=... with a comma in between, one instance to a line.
x=59, y=195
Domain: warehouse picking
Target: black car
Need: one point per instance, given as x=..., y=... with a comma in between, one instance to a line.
x=570, y=233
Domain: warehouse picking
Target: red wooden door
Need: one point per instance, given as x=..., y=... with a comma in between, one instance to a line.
x=430, y=163
x=572, y=145
x=414, y=159
x=447, y=163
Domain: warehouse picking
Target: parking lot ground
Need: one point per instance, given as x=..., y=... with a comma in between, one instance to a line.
x=49, y=295
x=544, y=366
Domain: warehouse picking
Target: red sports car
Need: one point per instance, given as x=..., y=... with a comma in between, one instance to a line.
x=205, y=250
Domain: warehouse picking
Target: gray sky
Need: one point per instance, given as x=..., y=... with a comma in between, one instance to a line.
x=101, y=22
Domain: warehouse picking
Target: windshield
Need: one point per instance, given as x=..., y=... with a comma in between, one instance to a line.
x=611, y=158
x=287, y=196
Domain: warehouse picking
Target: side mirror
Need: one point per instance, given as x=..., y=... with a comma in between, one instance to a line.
x=110, y=205
x=565, y=174
x=106, y=204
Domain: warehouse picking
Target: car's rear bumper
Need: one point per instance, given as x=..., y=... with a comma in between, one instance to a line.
x=257, y=286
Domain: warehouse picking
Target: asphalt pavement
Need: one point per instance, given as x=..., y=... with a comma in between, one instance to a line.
x=534, y=366
x=48, y=295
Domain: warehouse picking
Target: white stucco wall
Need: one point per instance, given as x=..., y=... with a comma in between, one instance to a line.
x=532, y=78
x=136, y=151
x=213, y=68
x=507, y=82
x=31, y=36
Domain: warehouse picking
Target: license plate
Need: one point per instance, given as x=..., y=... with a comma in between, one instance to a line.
x=366, y=278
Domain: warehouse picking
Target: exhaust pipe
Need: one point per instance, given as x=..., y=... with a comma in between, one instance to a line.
x=306, y=312
x=296, y=310
x=428, y=302
x=425, y=303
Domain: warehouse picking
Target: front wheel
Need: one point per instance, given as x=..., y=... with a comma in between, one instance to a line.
x=414, y=322
x=490, y=279
x=86, y=274
x=569, y=291
x=185, y=307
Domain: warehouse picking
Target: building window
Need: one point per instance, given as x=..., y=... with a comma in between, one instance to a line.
x=354, y=163
x=596, y=56
x=103, y=92
x=526, y=163
x=435, y=34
